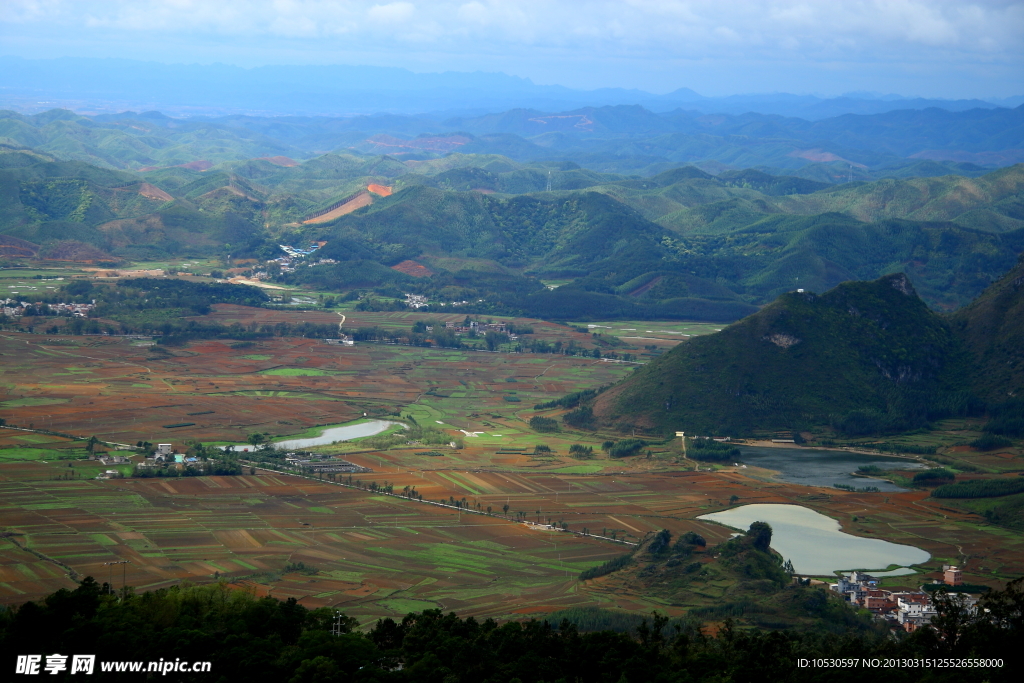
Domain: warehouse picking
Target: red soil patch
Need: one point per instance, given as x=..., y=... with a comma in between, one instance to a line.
x=413, y=268
x=12, y=246
x=382, y=190
x=281, y=161
x=359, y=201
x=152, y=192
x=72, y=250
x=820, y=155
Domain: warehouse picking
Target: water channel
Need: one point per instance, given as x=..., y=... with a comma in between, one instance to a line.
x=815, y=544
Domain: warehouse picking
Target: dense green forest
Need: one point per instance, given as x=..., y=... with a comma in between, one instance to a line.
x=263, y=639
x=864, y=358
x=682, y=244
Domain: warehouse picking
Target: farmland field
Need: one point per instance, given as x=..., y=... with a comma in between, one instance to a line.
x=369, y=553
x=377, y=555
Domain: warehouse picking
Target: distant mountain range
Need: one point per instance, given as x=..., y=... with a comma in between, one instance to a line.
x=616, y=139
x=113, y=85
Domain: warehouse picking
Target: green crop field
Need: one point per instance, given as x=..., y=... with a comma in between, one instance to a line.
x=295, y=372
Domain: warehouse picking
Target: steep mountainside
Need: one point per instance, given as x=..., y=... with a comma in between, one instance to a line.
x=864, y=356
x=993, y=329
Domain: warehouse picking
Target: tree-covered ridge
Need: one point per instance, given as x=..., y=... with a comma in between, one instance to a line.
x=865, y=356
x=993, y=328
x=622, y=242
x=263, y=639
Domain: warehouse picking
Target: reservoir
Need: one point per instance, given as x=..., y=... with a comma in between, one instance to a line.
x=811, y=467
x=814, y=543
x=332, y=434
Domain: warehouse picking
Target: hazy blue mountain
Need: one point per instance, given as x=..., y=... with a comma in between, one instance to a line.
x=350, y=90
x=615, y=139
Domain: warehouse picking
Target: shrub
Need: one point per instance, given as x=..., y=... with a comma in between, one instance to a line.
x=692, y=538
x=981, y=488
x=608, y=567
x=937, y=475
x=582, y=417
x=581, y=452
x=709, y=450
x=990, y=442
x=543, y=424
x=626, y=448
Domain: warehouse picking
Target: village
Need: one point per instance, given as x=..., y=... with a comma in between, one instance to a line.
x=906, y=610
x=12, y=308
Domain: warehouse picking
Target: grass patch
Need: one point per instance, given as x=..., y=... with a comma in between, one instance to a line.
x=578, y=469
x=14, y=454
x=296, y=372
x=25, y=402
x=406, y=605
x=257, y=356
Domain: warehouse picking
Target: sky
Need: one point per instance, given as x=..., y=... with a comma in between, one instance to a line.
x=930, y=48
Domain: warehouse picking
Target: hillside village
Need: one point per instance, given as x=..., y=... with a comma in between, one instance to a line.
x=901, y=609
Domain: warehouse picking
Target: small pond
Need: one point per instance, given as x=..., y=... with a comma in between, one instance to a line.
x=814, y=543
x=332, y=434
x=811, y=467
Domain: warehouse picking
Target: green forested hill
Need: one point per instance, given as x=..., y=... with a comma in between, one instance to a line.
x=683, y=243
x=864, y=356
x=993, y=329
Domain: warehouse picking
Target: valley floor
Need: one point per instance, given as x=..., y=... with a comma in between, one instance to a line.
x=376, y=554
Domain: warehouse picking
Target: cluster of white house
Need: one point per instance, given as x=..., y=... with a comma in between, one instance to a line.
x=908, y=610
x=295, y=252
x=13, y=308
x=415, y=300
x=165, y=455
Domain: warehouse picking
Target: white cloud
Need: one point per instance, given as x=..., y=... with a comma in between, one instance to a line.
x=583, y=34
x=392, y=12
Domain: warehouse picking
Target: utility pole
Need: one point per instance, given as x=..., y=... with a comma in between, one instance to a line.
x=110, y=569
x=336, y=626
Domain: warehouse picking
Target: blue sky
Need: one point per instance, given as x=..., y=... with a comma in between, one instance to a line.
x=933, y=48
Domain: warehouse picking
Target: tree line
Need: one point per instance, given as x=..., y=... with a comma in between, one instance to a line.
x=264, y=639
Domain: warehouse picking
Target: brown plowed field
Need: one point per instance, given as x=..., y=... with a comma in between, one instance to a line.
x=376, y=555
x=380, y=555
